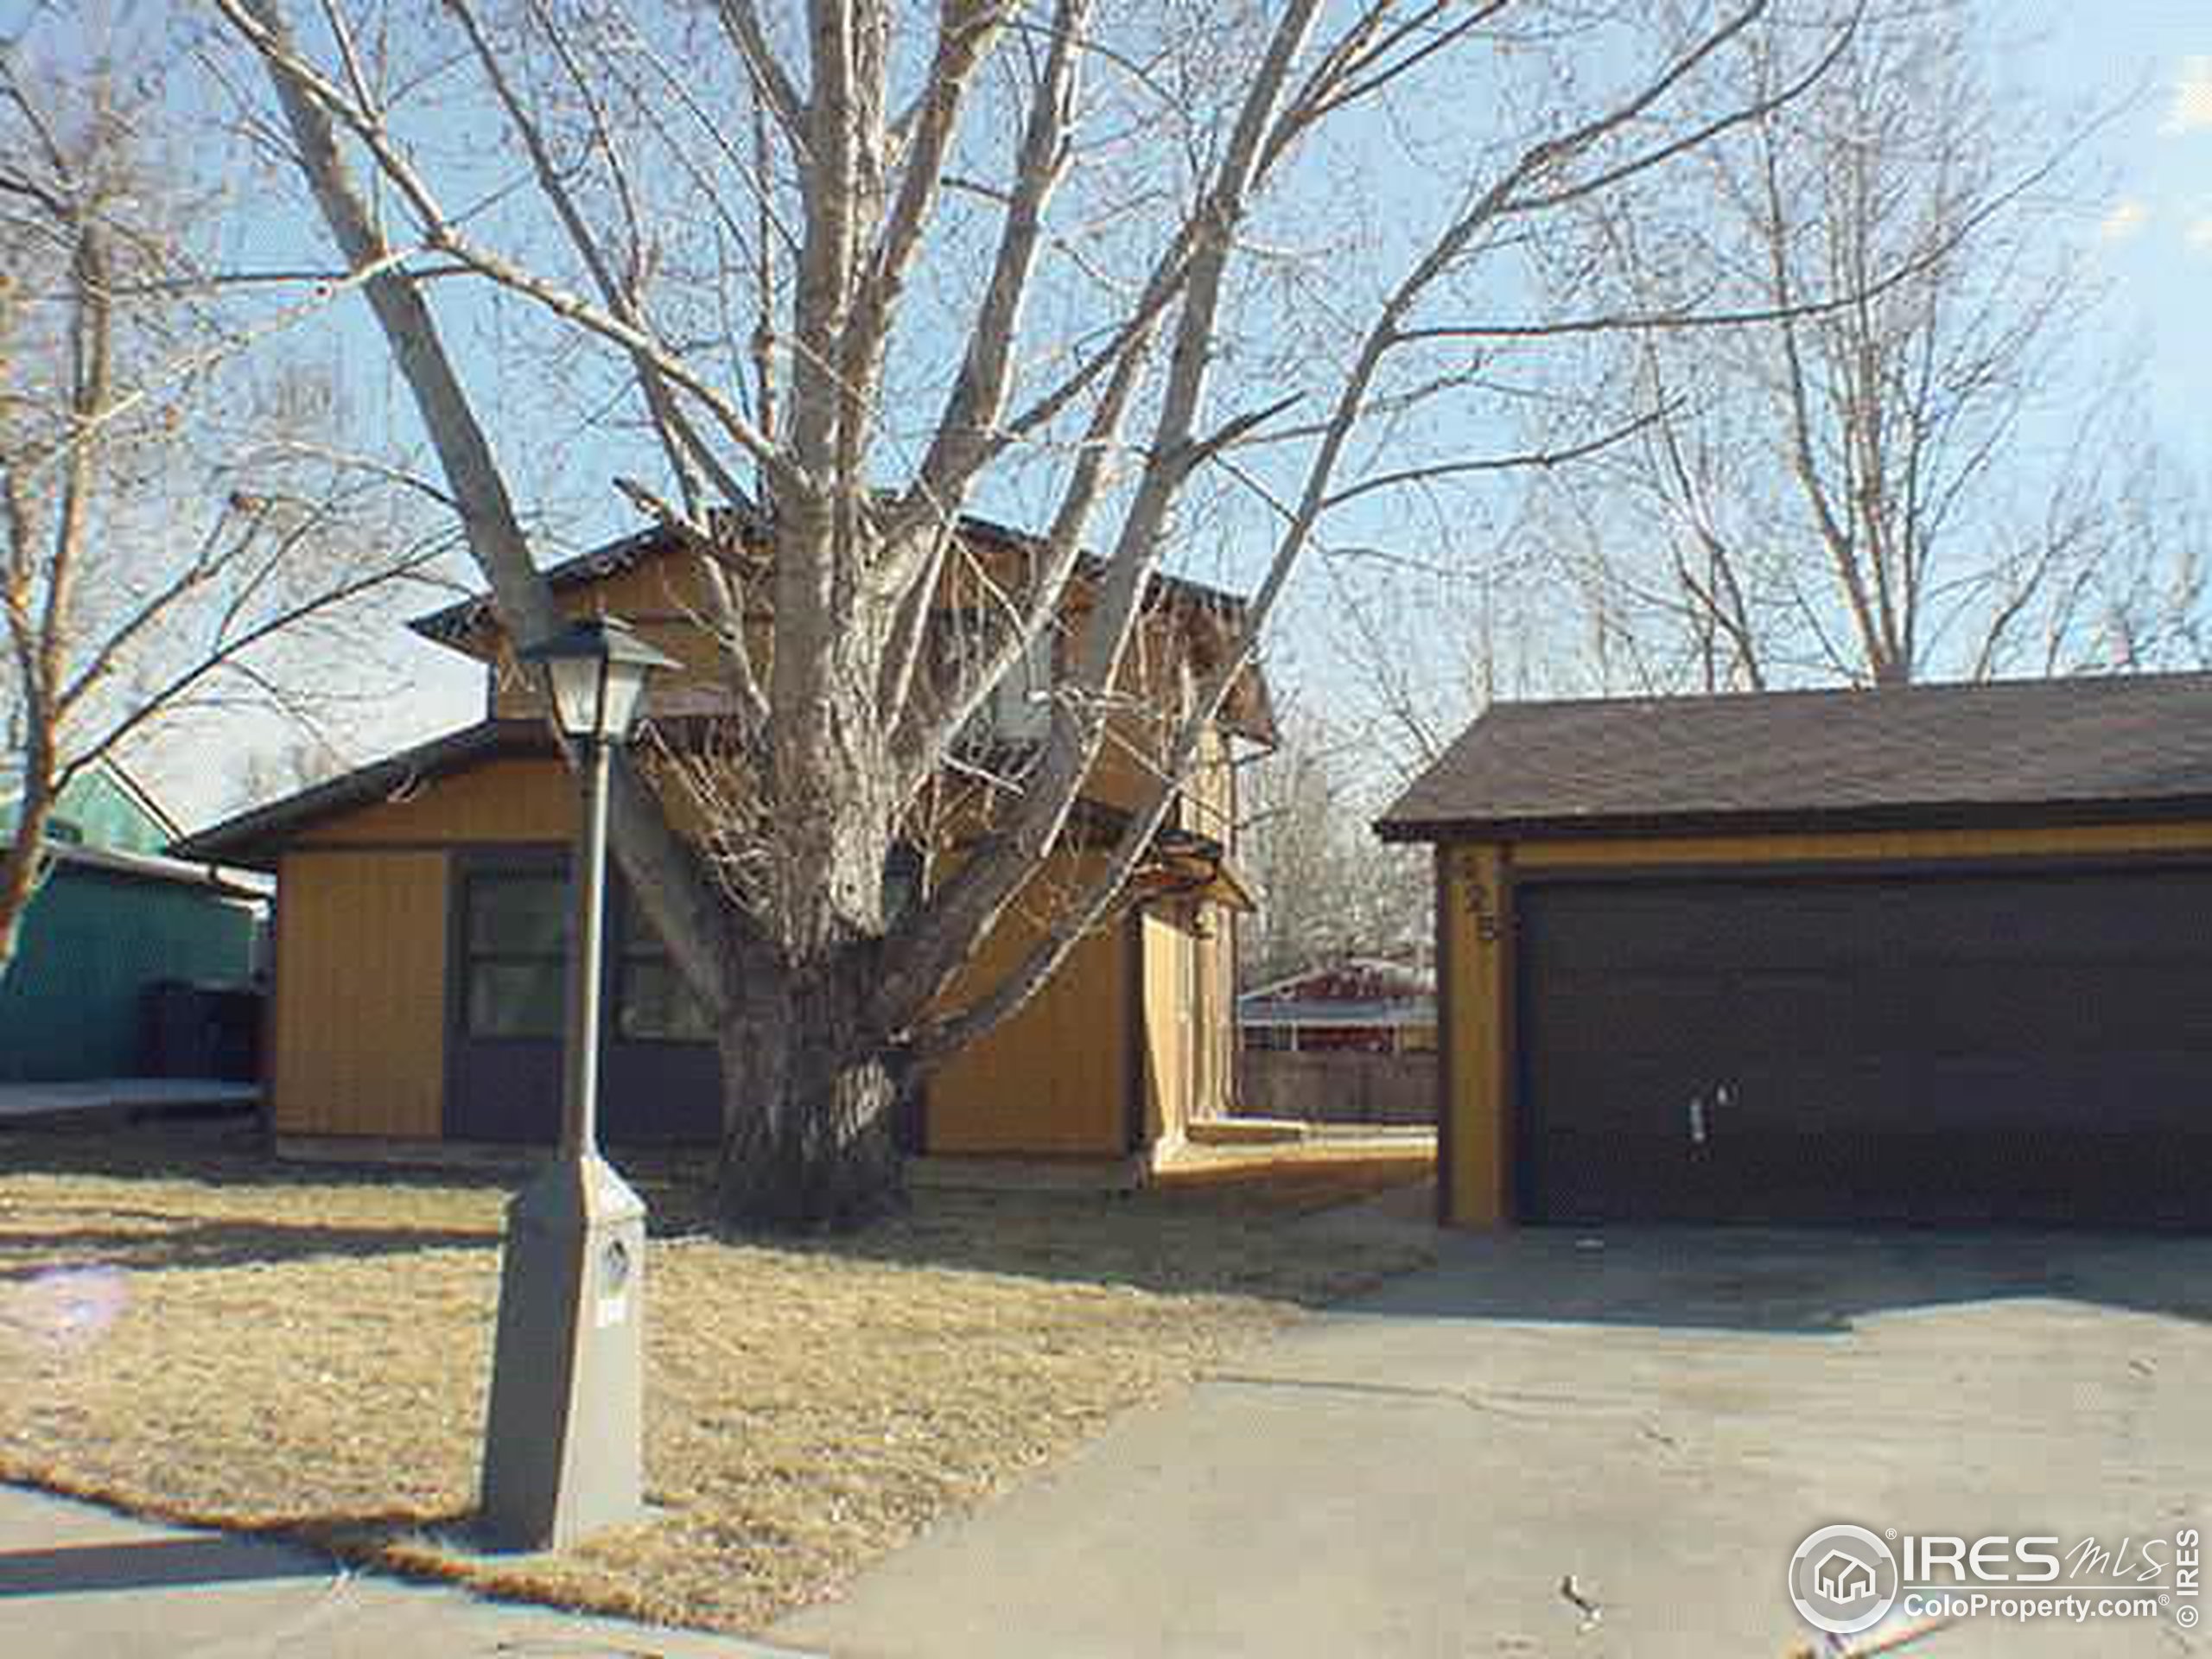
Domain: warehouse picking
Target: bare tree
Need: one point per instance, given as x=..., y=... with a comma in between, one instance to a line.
x=1327, y=890
x=1919, y=477
x=157, y=544
x=863, y=267
x=302, y=759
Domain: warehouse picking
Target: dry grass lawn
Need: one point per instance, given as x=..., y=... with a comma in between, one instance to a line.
x=188, y=1329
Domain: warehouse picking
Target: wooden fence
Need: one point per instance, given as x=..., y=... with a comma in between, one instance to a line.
x=1338, y=1087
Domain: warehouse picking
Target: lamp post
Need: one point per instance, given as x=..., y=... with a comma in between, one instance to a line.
x=563, y=1442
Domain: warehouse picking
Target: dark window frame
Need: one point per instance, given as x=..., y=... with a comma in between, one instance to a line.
x=471, y=957
x=636, y=946
x=629, y=942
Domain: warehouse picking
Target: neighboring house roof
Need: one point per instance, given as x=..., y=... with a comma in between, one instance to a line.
x=103, y=806
x=1251, y=712
x=1351, y=979
x=2051, y=751
x=155, y=815
x=1357, y=992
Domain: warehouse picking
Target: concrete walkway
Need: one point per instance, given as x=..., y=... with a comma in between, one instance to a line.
x=1558, y=1446
x=80, y=1582
x=119, y=1097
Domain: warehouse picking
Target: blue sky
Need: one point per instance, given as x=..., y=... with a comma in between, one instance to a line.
x=2153, y=231
x=2148, y=227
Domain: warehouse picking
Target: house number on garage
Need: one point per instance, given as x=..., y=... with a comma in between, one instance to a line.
x=1483, y=905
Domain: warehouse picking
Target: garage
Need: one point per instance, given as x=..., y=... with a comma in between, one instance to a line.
x=1931, y=1048
x=1936, y=954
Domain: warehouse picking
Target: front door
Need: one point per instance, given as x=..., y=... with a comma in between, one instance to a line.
x=659, y=1076
x=509, y=1000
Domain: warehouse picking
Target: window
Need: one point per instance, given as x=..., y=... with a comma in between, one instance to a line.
x=1021, y=702
x=905, y=872
x=652, y=1004
x=517, y=944
x=1018, y=708
x=518, y=965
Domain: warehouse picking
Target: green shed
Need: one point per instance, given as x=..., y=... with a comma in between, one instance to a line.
x=111, y=920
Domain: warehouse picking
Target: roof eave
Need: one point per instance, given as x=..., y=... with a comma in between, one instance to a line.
x=153, y=867
x=450, y=623
x=254, y=839
x=1803, y=820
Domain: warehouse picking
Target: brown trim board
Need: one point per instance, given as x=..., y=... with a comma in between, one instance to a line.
x=1450, y=1014
x=1511, y=1209
x=1136, y=1126
x=1873, y=868
x=1902, y=815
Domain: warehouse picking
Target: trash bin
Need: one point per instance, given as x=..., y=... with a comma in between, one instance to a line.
x=200, y=1029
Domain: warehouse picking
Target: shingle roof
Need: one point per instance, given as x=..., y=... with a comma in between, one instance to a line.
x=1250, y=712
x=256, y=837
x=2137, y=746
x=454, y=622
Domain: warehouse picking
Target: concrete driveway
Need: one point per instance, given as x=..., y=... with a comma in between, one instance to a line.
x=1662, y=1415
x=78, y=1581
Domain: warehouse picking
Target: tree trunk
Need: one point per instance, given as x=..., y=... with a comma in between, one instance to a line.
x=809, y=1109
x=18, y=883
x=22, y=858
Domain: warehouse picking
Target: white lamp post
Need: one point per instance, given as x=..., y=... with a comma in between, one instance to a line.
x=563, y=1444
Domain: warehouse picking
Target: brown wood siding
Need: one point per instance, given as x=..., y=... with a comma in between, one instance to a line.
x=1189, y=1031
x=1213, y=1012
x=661, y=597
x=359, y=1017
x=1170, y=1046
x=1473, y=945
x=1051, y=1080
x=696, y=686
x=513, y=799
x=1209, y=803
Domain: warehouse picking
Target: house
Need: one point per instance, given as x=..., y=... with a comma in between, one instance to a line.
x=1843, y=1577
x=1350, y=1042
x=1368, y=1005
x=1935, y=954
x=103, y=806
x=111, y=921
x=419, y=940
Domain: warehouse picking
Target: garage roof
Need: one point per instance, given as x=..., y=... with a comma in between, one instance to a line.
x=2045, y=751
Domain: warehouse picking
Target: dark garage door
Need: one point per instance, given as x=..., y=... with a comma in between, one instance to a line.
x=1892, y=1046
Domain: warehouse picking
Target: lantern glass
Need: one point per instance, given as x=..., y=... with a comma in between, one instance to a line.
x=621, y=687
x=595, y=674
x=577, y=699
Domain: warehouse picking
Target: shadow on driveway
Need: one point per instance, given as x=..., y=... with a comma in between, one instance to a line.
x=1811, y=1281
x=153, y=1564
